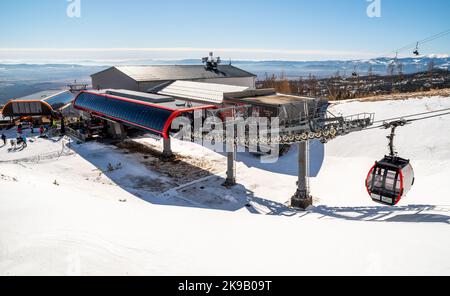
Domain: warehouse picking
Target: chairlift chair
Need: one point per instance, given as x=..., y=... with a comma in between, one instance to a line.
x=355, y=73
x=416, y=51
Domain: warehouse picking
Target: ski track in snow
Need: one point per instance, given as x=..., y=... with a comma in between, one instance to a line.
x=74, y=215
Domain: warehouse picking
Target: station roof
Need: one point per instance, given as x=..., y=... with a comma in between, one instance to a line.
x=133, y=111
x=275, y=100
x=145, y=97
x=41, y=103
x=39, y=96
x=179, y=72
x=200, y=91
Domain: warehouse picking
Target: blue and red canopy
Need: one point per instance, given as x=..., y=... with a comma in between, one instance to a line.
x=156, y=118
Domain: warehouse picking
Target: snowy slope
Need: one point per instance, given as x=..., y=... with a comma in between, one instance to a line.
x=139, y=219
x=425, y=143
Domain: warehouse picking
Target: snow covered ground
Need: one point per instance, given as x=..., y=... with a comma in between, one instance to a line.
x=108, y=210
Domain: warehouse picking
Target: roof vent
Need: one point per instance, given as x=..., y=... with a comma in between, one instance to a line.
x=211, y=63
x=77, y=87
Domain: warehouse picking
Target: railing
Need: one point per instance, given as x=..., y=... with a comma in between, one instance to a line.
x=75, y=134
x=65, y=151
x=358, y=122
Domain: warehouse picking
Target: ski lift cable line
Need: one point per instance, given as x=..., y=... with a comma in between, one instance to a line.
x=423, y=41
x=429, y=39
x=412, y=115
x=407, y=121
x=426, y=40
x=437, y=36
x=429, y=117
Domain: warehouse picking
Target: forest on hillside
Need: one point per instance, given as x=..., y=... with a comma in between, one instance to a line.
x=343, y=88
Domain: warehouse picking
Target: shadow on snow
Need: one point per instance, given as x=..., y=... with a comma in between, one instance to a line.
x=205, y=191
x=404, y=214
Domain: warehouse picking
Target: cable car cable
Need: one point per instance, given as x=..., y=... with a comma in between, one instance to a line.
x=423, y=41
x=429, y=117
x=410, y=120
x=412, y=115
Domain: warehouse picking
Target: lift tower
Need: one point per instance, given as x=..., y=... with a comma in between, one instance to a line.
x=302, y=198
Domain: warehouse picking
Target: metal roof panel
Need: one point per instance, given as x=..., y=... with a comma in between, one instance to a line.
x=200, y=91
x=181, y=72
x=39, y=96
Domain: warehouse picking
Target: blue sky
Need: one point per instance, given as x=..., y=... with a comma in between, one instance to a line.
x=239, y=29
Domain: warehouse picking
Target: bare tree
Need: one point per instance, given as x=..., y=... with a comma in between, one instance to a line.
x=400, y=68
x=284, y=85
x=431, y=65
x=391, y=69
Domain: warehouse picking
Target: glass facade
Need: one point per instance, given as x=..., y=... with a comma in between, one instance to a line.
x=141, y=115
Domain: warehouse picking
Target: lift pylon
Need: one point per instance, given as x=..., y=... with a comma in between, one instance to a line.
x=302, y=198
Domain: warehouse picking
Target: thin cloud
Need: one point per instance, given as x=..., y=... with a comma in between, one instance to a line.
x=187, y=52
x=186, y=49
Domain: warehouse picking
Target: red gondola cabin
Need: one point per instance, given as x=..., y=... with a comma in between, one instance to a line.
x=390, y=180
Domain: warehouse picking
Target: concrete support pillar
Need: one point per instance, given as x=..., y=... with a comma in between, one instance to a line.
x=231, y=168
x=231, y=155
x=167, y=149
x=116, y=130
x=302, y=198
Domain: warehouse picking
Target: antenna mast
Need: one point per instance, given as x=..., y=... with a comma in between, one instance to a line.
x=211, y=62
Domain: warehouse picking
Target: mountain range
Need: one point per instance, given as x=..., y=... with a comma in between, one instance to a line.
x=22, y=79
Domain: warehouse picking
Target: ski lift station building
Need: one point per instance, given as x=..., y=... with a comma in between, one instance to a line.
x=44, y=103
x=149, y=78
